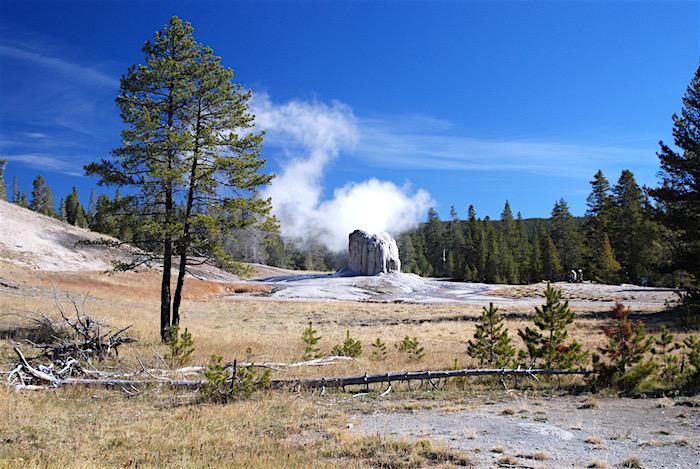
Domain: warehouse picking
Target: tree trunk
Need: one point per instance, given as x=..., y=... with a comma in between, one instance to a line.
x=165, y=296
x=186, y=228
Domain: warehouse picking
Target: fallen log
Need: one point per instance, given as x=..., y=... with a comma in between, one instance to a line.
x=419, y=376
x=336, y=382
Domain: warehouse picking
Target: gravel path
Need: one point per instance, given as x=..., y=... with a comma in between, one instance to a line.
x=555, y=432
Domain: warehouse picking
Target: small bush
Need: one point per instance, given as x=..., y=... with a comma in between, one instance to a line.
x=226, y=383
x=312, y=351
x=546, y=345
x=349, y=348
x=180, y=347
x=491, y=345
x=626, y=369
x=411, y=347
x=378, y=350
x=670, y=369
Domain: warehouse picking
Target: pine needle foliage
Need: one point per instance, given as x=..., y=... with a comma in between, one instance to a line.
x=626, y=367
x=311, y=339
x=378, y=350
x=226, y=383
x=546, y=345
x=690, y=364
x=664, y=349
x=491, y=345
x=180, y=346
x=411, y=347
x=350, y=347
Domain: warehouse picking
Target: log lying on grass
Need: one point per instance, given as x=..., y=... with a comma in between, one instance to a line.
x=337, y=382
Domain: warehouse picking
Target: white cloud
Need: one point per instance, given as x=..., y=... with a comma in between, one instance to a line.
x=43, y=161
x=74, y=71
x=412, y=143
x=312, y=135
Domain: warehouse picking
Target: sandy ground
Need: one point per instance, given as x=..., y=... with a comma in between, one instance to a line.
x=554, y=432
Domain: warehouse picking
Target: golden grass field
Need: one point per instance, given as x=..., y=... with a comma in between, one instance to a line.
x=100, y=428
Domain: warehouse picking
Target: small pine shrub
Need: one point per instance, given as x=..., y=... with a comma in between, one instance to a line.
x=225, y=383
x=546, y=345
x=350, y=347
x=378, y=350
x=491, y=345
x=626, y=367
x=670, y=369
x=180, y=347
x=312, y=351
x=690, y=308
x=690, y=364
x=460, y=381
x=411, y=347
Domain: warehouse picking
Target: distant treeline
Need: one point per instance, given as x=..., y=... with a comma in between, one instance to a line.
x=616, y=241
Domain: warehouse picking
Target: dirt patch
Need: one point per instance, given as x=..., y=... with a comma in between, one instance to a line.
x=558, y=432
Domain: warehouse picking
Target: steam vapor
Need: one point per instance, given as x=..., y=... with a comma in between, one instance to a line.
x=311, y=135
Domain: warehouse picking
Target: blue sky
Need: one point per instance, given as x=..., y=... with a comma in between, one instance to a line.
x=472, y=102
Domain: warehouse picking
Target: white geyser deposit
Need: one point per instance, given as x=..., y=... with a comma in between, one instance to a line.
x=372, y=254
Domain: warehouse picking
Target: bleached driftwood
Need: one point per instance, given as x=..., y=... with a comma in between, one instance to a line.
x=51, y=380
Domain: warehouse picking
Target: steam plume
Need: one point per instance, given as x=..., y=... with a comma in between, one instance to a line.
x=312, y=135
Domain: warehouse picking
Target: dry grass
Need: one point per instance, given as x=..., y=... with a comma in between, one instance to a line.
x=589, y=403
x=378, y=452
x=539, y=456
x=95, y=428
x=89, y=428
x=508, y=461
x=632, y=462
x=597, y=464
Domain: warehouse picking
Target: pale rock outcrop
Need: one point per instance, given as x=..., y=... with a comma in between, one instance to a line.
x=372, y=254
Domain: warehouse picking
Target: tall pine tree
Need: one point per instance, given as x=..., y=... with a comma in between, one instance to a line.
x=678, y=197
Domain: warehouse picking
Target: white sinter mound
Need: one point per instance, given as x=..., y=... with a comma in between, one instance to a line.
x=372, y=254
x=37, y=241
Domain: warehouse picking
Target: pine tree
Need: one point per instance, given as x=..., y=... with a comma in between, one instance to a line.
x=104, y=219
x=536, y=265
x=378, y=350
x=3, y=187
x=408, y=254
x=63, y=213
x=189, y=132
x=599, y=203
x=455, y=260
x=605, y=268
x=435, y=243
x=547, y=344
x=634, y=236
x=522, y=251
x=24, y=200
x=665, y=346
x=551, y=266
x=625, y=351
x=311, y=339
x=350, y=347
x=491, y=345
x=678, y=197
x=42, y=198
x=16, y=196
x=75, y=215
x=566, y=236
x=92, y=207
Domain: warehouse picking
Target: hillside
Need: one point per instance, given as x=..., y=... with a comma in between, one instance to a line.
x=39, y=242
